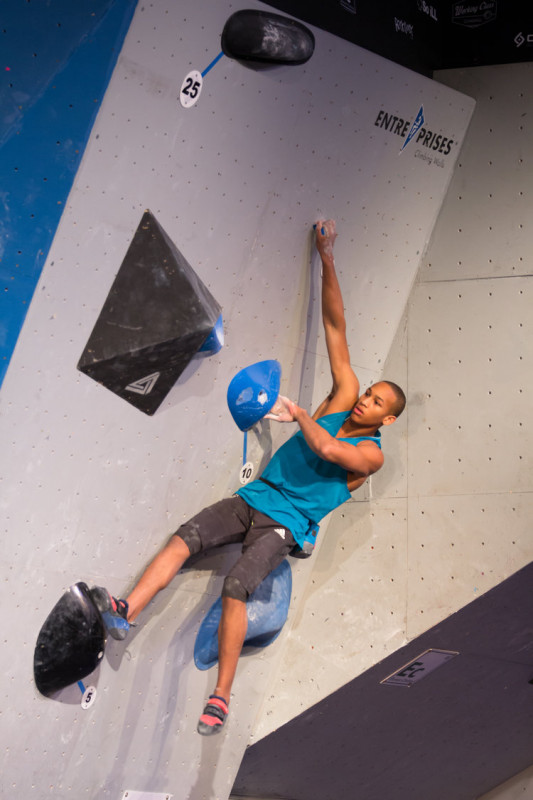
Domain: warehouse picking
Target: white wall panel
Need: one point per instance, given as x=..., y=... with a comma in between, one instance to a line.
x=470, y=355
x=485, y=228
x=459, y=547
x=91, y=487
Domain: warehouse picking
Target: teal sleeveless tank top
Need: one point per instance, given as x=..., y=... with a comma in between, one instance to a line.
x=307, y=487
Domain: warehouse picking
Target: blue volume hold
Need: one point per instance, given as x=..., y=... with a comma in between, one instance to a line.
x=215, y=341
x=267, y=610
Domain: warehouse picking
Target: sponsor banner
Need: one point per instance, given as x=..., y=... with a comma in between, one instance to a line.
x=523, y=39
x=403, y=27
x=427, y=9
x=474, y=14
x=349, y=5
x=432, y=146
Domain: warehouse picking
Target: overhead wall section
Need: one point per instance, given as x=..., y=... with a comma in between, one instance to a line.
x=91, y=485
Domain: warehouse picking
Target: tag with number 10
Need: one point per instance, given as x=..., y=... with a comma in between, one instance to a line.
x=191, y=88
x=246, y=473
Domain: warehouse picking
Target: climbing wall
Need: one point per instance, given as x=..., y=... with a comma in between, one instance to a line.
x=473, y=481
x=477, y=493
x=515, y=788
x=91, y=486
x=449, y=516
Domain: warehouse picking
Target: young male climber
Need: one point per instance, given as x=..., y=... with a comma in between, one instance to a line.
x=332, y=454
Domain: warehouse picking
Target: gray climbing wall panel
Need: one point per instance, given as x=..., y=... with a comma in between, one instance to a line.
x=91, y=486
x=450, y=513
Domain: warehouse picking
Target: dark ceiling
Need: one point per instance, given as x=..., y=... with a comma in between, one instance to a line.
x=462, y=730
x=426, y=35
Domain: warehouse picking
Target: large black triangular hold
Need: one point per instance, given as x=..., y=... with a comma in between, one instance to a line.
x=71, y=642
x=156, y=317
x=261, y=36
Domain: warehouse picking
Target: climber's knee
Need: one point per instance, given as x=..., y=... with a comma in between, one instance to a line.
x=234, y=588
x=191, y=537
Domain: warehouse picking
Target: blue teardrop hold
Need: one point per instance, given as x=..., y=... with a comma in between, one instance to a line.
x=253, y=391
x=267, y=609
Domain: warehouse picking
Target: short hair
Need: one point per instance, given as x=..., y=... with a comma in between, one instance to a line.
x=400, y=398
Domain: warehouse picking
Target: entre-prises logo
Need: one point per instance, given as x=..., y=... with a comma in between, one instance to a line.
x=416, y=130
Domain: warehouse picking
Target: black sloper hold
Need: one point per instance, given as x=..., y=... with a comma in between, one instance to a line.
x=267, y=38
x=71, y=642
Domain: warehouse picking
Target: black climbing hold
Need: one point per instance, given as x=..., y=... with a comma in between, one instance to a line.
x=71, y=642
x=157, y=316
x=260, y=36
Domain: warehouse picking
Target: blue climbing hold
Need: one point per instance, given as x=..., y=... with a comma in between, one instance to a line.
x=253, y=391
x=267, y=609
x=215, y=341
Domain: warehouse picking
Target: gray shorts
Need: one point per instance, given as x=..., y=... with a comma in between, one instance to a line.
x=265, y=543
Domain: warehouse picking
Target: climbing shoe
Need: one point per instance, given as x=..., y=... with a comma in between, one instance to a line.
x=114, y=612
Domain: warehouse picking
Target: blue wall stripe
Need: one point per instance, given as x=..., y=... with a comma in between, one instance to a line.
x=57, y=60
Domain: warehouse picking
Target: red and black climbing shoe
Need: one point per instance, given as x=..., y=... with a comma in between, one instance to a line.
x=214, y=716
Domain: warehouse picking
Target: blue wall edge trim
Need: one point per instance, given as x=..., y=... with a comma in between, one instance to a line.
x=40, y=162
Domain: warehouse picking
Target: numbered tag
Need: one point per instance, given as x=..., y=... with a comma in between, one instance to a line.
x=191, y=88
x=246, y=472
x=88, y=697
x=413, y=672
